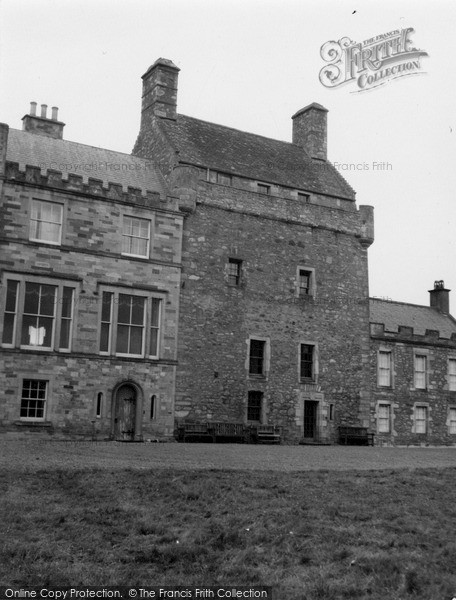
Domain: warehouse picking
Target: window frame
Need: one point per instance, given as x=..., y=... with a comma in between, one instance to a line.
x=419, y=354
x=305, y=378
x=234, y=280
x=45, y=401
x=57, y=318
x=381, y=419
x=266, y=357
x=31, y=221
x=260, y=395
x=451, y=422
x=388, y=369
x=124, y=235
x=418, y=407
x=451, y=376
x=263, y=188
x=149, y=297
x=311, y=289
x=304, y=197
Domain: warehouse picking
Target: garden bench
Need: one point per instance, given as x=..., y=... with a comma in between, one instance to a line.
x=355, y=436
x=186, y=431
x=267, y=434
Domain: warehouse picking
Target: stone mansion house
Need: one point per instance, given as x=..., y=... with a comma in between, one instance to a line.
x=212, y=275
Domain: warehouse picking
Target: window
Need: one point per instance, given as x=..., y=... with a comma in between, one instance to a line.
x=33, y=399
x=331, y=412
x=130, y=324
x=452, y=420
x=256, y=362
x=135, y=236
x=307, y=361
x=99, y=404
x=263, y=189
x=384, y=418
x=452, y=374
x=254, y=406
x=223, y=179
x=420, y=371
x=153, y=407
x=421, y=419
x=234, y=271
x=303, y=197
x=46, y=222
x=384, y=368
x=304, y=282
x=38, y=315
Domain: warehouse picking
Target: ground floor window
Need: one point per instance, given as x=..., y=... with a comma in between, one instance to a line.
x=33, y=399
x=452, y=420
x=421, y=417
x=384, y=418
x=254, y=406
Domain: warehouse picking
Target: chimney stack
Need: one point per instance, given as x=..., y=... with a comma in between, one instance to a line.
x=41, y=125
x=310, y=130
x=159, y=96
x=440, y=297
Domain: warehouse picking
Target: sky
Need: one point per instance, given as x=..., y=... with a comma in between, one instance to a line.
x=251, y=65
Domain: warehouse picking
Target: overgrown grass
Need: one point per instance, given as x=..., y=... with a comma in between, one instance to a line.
x=315, y=535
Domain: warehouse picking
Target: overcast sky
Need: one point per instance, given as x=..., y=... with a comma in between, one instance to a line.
x=251, y=65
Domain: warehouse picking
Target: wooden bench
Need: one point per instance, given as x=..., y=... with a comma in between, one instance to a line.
x=193, y=431
x=234, y=432
x=355, y=436
x=266, y=434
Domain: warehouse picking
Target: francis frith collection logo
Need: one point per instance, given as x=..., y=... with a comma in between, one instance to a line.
x=370, y=63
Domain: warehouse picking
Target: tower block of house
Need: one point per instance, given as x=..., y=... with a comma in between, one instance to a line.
x=274, y=313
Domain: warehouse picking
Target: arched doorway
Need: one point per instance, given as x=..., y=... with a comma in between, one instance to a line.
x=125, y=408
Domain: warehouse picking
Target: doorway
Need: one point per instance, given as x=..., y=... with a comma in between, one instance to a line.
x=310, y=419
x=125, y=402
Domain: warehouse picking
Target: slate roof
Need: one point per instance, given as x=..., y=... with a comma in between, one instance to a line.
x=88, y=161
x=256, y=157
x=393, y=314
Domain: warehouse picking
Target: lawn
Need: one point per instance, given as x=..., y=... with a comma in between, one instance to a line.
x=313, y=535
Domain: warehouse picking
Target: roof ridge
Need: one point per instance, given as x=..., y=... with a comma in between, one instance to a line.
x=373, y=298
x=79, y=144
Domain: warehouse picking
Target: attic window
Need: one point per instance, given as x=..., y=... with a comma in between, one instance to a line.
x=303, y=197
x=223, y=179
x=263, y=189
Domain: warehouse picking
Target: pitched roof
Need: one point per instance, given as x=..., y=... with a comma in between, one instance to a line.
x=87, y=161
x=393, y=314
x=254, y=156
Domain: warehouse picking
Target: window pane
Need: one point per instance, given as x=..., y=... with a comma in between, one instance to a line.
x=137, y=312
x=153, y=342
x=122, y=339
x=135, y=340
x=104, y=337
x=11, y=296
x=9, y=319
x=65, y=331
x=155, y=312
x=47, y=300
x=32, y=298
x=124, y=310
x=67, y=302
x=106, y=306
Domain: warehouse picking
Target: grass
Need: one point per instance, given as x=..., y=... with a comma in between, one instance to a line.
x=314, y=535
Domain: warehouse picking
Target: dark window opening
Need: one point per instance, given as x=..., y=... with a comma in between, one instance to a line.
x=99, y=404
x=256, y=357
x=263, y=189
x=254, y=405
x=307, y=361
x=234, y=271
x=303, y=197
x=304, y=282
x=152, y=407
x=223, y=179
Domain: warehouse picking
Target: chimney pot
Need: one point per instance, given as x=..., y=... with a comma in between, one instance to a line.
x=43, y=111
x=33, y=108
x=55, y=112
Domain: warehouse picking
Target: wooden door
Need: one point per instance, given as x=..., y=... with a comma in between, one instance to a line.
x=125, y=415
x=310, y=419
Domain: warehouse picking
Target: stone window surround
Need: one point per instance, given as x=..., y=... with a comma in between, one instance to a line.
x=451, y=388
x=451, y=408
x=316, y=362
x=428, y=417
x=426, y=353
x=116, y=290
x=266, y=357
x=147, y=255
x=44, y=197
x=388, y=349
x=48, y=409
x=391, y=417
x=312, y=282
x=43, y=280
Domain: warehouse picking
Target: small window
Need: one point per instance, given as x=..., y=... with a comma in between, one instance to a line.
x=234, y=271
x=421, y=417
x=452, y=374
x=223, y=179
x=420, y=371
x=99, y=404
x=46, y=222
x=307, y=367
x=33, y=399
x=304, y=282
x=384, y=418
x=263, y=189
x=384, y=368
x=452, y=421
x=153, y=407
x=304, y=197
x=256, y=359
x=254, y=406
x=331, y=412
x=135, y=236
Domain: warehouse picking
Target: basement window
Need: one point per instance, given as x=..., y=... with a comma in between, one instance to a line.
x=33, y=399
x=254, y=406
